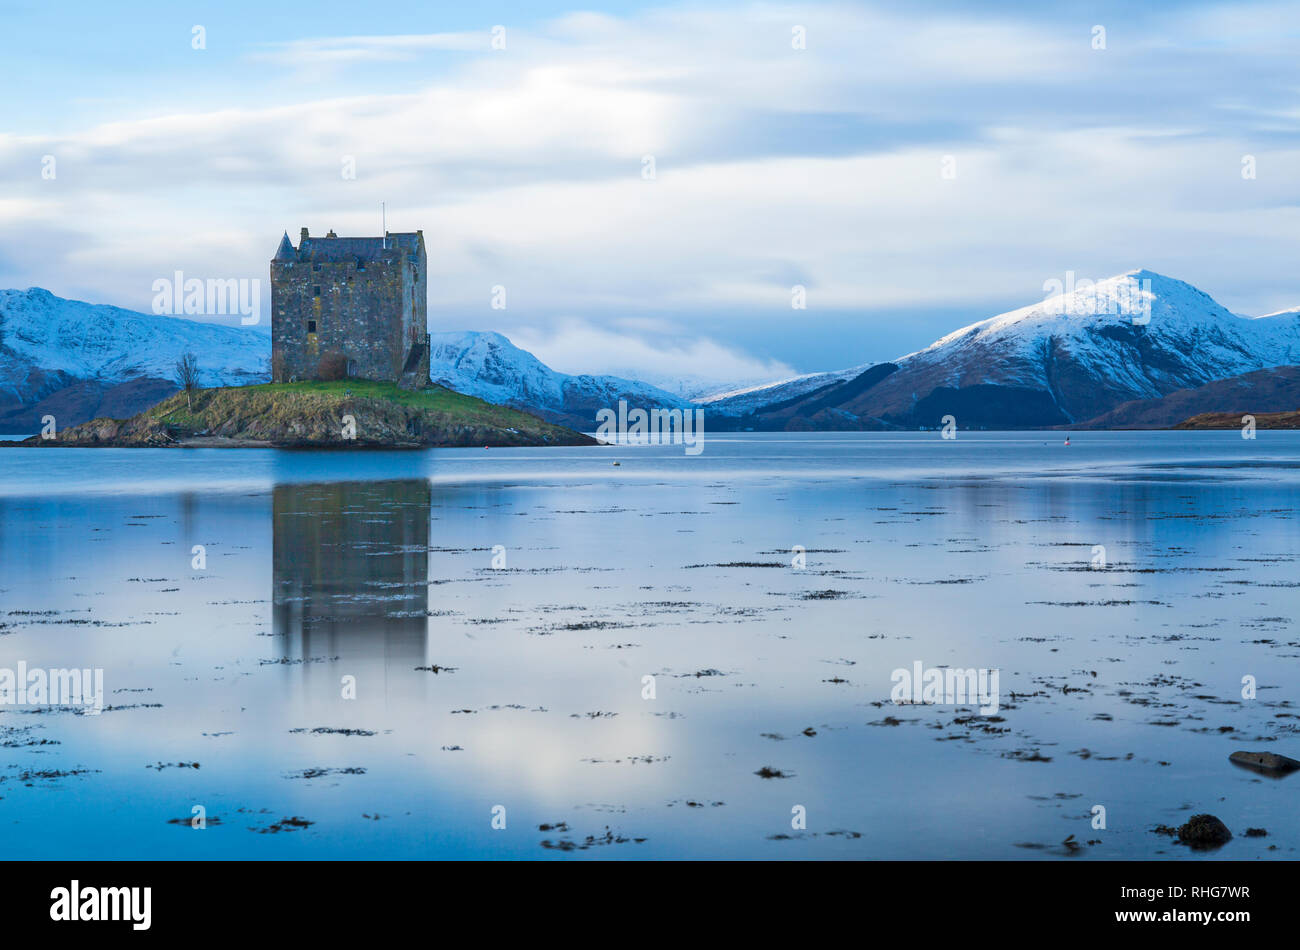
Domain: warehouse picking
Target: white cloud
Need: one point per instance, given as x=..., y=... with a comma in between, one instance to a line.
x=643, y=349
x=339, y=50
x=774, y=167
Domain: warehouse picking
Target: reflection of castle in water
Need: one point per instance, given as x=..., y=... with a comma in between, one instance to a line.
x=351, y=567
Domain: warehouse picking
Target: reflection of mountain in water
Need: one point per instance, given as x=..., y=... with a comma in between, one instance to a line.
x=351, y=569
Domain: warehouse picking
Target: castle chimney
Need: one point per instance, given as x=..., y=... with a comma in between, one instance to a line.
x=302, y=236
x=331, y=234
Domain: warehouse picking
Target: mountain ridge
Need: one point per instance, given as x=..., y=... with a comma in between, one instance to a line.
x=1061, y=361
x=1067, y=360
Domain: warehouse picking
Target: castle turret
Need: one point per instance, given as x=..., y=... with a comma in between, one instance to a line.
x=285, y=252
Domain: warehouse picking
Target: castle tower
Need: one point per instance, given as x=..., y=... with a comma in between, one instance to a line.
x=350, y=307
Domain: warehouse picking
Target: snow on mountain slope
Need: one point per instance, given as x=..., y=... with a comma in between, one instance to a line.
x=489, y=366
x=698, y=388
x=46, y=342
x=1102, y=325
x=1289, y=312
x=747, y=399
x=1072, y=357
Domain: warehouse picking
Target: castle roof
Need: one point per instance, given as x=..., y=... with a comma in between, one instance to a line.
x=331, y=248
x=285, y=252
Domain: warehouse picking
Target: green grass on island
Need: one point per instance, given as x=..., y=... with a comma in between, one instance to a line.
x=287, y=398
x=315, y=413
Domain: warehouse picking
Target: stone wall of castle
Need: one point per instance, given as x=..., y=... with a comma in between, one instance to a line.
x=368, y=315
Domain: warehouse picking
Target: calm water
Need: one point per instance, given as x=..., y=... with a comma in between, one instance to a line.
x=542, y=586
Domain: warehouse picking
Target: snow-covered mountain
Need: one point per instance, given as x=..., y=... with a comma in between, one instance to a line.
x=1067, y=359
x=76, y=360
x=1136, y=333
x=489, y=366
x=47, y=342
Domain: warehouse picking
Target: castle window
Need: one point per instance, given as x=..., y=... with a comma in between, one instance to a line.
x=316, y=291
x=311, y=326
x=315, y=267
x=361, y=265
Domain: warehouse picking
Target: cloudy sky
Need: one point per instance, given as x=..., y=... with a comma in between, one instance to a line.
x=914, y=166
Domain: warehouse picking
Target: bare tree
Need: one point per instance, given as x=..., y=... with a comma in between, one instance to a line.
x=187, y=376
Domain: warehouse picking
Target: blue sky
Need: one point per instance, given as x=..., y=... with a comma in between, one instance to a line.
x=774, y=166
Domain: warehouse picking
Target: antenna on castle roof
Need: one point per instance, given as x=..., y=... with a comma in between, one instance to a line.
x=383, y=216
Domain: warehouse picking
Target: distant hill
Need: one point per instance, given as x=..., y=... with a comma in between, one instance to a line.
x=489, y=366
x=1262, y=391
x=1232, y=420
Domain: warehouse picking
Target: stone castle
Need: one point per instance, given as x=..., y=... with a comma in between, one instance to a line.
x=350, y=307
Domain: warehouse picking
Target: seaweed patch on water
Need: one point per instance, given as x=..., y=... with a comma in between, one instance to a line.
x=297, y=661
x=591, y=841
x=802, y=835
x=729, y=564
x=124, y=708
x=692, y=803
x=323, y=772
x=30, y=777
x=1097, y=603
x=1026, y=755
x=20, y=737
x=295, y=823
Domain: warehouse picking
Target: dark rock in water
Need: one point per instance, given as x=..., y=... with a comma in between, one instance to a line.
x=1266, y=762
x=1204, y=831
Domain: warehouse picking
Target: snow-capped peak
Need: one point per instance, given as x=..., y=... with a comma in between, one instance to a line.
x=1136, y=298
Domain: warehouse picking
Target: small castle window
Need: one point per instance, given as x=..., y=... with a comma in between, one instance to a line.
x=311, y=326
x=361, y=265
x=316, y=291
x=315, y=267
